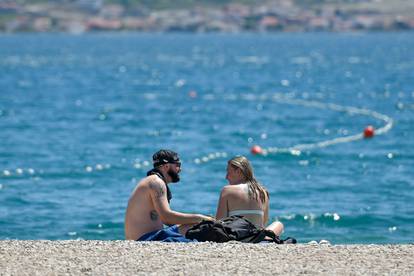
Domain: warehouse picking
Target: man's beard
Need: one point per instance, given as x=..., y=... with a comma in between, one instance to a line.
x=175, y=177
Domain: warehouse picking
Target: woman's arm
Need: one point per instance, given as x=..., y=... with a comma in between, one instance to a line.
x=266, y=211
x=222, y=207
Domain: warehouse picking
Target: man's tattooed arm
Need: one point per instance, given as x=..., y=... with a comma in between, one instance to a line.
x=158, y=189
x=158, y=192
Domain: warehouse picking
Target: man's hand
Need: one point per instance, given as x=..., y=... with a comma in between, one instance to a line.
x=203, y=217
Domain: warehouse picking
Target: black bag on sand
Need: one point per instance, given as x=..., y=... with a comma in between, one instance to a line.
x=234, y=228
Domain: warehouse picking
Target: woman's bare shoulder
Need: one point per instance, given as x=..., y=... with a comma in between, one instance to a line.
x=230, y=190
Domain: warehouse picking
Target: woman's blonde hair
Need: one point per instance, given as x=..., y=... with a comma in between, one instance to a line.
x=255, y=188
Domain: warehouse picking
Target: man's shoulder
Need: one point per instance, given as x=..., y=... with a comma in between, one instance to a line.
x=152, y=181
x=149, y=181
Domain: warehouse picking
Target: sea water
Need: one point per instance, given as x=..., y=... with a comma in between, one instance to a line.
x=81, y=116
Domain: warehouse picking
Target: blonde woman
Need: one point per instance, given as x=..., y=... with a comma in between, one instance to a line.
x=245, y=196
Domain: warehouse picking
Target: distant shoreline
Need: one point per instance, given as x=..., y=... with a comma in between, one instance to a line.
x=232, y=16
x=130, y=258
x=210, y=33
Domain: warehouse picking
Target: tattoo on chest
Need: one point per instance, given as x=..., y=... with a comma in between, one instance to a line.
x=153, y=215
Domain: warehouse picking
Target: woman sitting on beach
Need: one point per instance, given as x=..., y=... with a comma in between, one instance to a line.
x=245, y=196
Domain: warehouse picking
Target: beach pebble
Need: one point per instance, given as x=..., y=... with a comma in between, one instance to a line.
x=324, y=242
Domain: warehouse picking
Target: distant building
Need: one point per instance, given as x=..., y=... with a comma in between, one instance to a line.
x=319, y=24
x=42, y=24
x=132, y=23
x=112, y=11
x=72, y=26
x=8, y=8
x=100, y=24
x=269, y=23
x=91, y=6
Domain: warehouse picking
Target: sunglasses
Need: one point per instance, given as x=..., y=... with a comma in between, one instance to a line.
x=177, y=163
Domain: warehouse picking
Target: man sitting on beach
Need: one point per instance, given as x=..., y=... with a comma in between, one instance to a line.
x=149, y=209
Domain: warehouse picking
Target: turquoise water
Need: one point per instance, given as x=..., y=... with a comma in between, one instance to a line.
x=80, y=117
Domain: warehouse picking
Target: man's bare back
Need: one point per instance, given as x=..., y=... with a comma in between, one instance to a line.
x=141, y=216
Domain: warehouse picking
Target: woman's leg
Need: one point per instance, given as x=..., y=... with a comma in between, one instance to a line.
x=277, y=228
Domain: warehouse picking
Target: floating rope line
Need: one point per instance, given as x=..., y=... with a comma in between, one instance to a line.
x=19, y=172
x=297, y=149
x=210, y=156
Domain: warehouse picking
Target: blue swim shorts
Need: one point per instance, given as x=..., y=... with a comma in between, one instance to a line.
x=169, y=234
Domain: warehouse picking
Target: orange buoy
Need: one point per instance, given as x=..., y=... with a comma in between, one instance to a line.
x=256, y=150
x=192, y=94
x=369, y=132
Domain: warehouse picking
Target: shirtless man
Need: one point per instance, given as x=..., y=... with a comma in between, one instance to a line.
x=149, y=209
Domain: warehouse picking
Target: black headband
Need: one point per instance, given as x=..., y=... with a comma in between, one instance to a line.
x=166, y=160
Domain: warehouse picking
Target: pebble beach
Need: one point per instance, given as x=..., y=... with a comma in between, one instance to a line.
x=93, y=257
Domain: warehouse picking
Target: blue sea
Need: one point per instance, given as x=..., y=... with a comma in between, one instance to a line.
x=81, y=116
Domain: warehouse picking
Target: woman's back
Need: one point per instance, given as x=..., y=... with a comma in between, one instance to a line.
x=245, y=196
x=238, y=200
